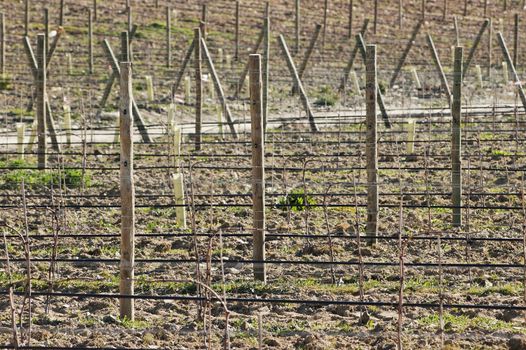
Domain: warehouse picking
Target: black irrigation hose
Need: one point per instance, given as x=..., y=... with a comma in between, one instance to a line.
x=270, y=262
x=434, y=237
x=276, y=301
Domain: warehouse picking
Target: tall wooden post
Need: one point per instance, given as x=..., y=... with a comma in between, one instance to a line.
x=95, y=10
x=258, y=168
x=266, y=70
x=46, y=27
x=198, y=89
x=26, y=18
x=297, y=27
x=303, y=66
x=400, y=13
x=423, y=9
x=61, y=17
x=371, y=140
x=168, y=37
x=127, y=260
x=325, y=14
x=490, y=47
x=236, y=52
x=203, y=21
x=2, y=44
x=516, y=41
x=41, y=100
x=375, y=16
x=90, y=41
x=456, y=141
x=444, y=10
x=351, y=9
x=485, y=8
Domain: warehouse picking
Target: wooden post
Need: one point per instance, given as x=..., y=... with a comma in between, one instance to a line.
x=371, y=86
x=490, y=47
x=457, y=33
x=266, y=70
x=485, y=8
x=67, y=123
x=509, y=62
x=130, y=28
x=198, y=89
x=2, y=44
x=297, y=27
x=297, y=81
x=61, y=18
x=474, y=47
x=236, y=51
x=168, y=37
x=41, y=100
x=400, y=13
x=351, y=9
x=90, y=41
x=406, y=52
x=180, y=210
x=375, y=15
x=258, y=167
x=516, y=41
x=410, y=147
x=438, y=66
x=465, y=8
x=20, y=131
x=218, y=87
x=127, y=193
x=26, y=18
x=306, y=59
x=423, y=10
x=95, y=10
x=456, y=141
x=325, y=15
x=203, y=21
x=46, y=27
x=350, y=64
x=180, y=74
x=444, y=10
x=245, y=70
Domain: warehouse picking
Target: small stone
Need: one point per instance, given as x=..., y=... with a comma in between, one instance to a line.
x=110, y=319
x=517, y=342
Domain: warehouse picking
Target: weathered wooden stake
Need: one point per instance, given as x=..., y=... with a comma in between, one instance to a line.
x=509, y=62
x=474, y=47
x=187, y=90
x=297, y=27
x=505, y=75
x=295, y=77
x=236, y=51
x=176, y=132
x=61, y=18
x=325, y=15
x=490, y=47
x=198, y=89
x=354, y=52
x=456, y=139
x=41, y=100
x=485, y=8
x=26, y=18
x=203, y=21
x=258, y=167
x=479, y=76
x=218, y=87
x=408, y=47
x=46, y=27
x=371, y=86
x=410, y=147
x=245, y=70
x=180, y=210
x=444, y=10
x=67, y=124
x=440, y=70
x=400, y=13
x=351, y=9
x=168, y=37
x=416, y=79
x=149, y=88
x=375, y=16
x=95, y=10
x=2, y=44
x=306, y=59
x=266, y=70
x=516, y=41
x=20, y=131
x=465, y=8
x=423, y=10
x=355, y=82
x=127, y=260
x=457, y=32
x=90, y=42
x=180, y=74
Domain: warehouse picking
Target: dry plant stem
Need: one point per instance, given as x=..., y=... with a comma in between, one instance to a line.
x=195, y=242
x=12, y=308
x=329, y=237
x=359, y=244
x=226, y=340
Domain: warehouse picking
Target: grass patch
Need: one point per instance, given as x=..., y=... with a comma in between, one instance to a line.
x=461, y=323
